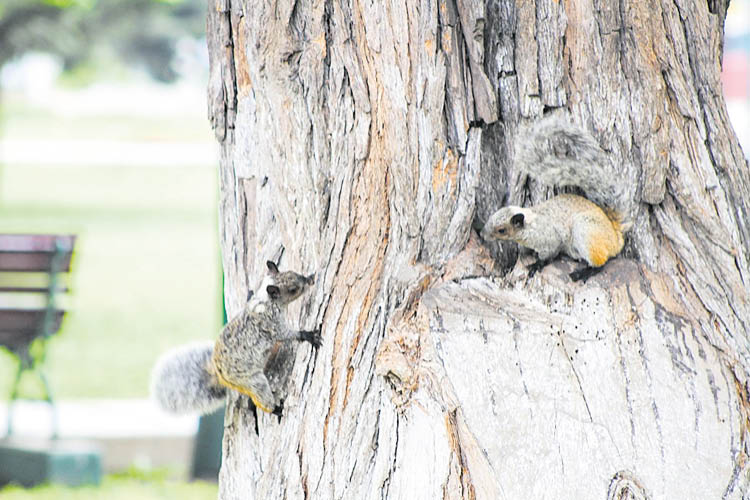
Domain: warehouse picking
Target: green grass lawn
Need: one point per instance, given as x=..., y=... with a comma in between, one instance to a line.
x=22, y=120
x=127, y=486
x=145, y=271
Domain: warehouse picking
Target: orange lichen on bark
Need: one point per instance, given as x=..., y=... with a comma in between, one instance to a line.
x=244, y=82
x=363, y=254
x=451, y=427
x=362, y=262
x=445, y=171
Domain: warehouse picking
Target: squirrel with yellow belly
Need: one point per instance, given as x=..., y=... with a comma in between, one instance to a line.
x=254, y=354
x=558, y=153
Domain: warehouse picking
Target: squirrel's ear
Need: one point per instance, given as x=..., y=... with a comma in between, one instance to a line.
x=272, y=267
x=273, y=291
x=517, y=220
x=310, y=279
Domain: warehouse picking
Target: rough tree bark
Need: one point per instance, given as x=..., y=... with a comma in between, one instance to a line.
x=359, y=139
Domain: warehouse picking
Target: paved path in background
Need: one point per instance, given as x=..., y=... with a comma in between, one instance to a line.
x=126, y=431
x=98, y=418
x=108, y=153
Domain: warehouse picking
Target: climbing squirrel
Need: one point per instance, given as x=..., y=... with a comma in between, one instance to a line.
x=558, y=153
x=253, y=355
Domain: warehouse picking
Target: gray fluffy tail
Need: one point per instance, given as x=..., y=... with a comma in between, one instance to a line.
x=559, y=153
x=181, y=381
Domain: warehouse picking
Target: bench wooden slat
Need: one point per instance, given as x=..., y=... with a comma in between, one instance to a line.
x=29, y=289
x=27, y=261
x=34, y=252
x=35, y=242
x=12, y=320
x=19, y=327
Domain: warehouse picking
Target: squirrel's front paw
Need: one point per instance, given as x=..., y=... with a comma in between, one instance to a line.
x=585, y=273
x=279, y=409
x=536, y=267
x=312, y=336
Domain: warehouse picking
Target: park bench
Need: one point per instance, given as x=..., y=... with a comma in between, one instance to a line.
x=30, y=284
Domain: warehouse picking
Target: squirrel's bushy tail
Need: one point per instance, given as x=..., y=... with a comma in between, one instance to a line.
x=558, y=153
x=182, y=380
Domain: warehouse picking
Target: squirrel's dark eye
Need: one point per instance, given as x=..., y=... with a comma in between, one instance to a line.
x=501, y=230
x=293, y=289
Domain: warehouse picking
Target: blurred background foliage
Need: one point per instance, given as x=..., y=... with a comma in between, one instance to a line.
x=87, y=32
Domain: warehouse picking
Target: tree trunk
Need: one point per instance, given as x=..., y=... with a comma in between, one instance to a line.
x=359, y=139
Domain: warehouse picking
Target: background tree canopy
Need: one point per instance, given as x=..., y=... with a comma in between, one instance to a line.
x=140, y=32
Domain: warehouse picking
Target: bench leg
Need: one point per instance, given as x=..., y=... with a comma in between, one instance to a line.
x=14, y=396
x=38, y=366
x=48, y=399
x=47, y=396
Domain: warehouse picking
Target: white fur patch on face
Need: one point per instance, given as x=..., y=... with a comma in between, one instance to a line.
x=258, y=307
x=262, y=295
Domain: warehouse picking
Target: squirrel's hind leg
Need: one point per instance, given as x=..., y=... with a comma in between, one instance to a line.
x=585, y=273
x=257, y=387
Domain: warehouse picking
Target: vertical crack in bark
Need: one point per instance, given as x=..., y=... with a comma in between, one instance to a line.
x=715, y=392
x=740, y=455
x=569, y=360
x=243, y=211
x=451, y=425
x=736, y=452
x=224, y=126
x=538, y=49
x=624, y=34
x=516, y=331
x=302, y=474
x=733, y=480
x=666, y=321
x=448, y=29
x=386, y=485
x=293, y=14
x=559, y=452
x=649, y=381
x=328, y=36
x=216, y=105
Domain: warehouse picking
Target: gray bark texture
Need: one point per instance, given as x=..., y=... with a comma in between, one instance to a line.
x=360, y=139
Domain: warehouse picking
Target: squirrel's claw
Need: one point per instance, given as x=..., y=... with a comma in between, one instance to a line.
x=536, y=266
x=312, y=336
x=278, y=410
x=585, y=273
